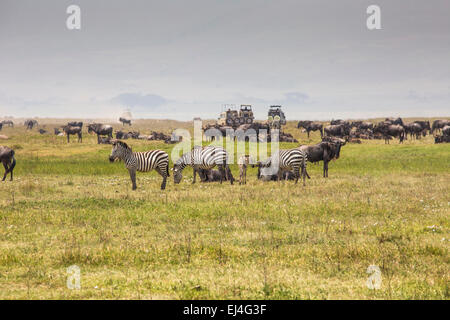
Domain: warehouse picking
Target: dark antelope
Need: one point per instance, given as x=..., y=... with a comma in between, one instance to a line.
x=8, y=160
x=68, y=130
x=100, y=129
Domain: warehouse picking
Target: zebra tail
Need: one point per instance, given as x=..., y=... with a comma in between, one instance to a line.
x=167, y=170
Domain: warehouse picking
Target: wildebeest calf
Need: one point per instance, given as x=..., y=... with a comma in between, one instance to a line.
x=213, y=175
x=8, y=160
x=265, y=174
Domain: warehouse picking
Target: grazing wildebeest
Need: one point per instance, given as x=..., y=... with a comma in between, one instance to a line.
x=8, y=123
x=390, y=130
x=127, y=121
x=75, y=124
x=439, y=124
x=311, y=126
x=413, y=129
x=213, y=175
x=68, y=130
x=338, y=130
x=243, y=163
x=8, y=160
x=141, y=161
x=100, y=129
x=57, y=131
x=30, y=124
x=265, y=174
x=441, y=139
x=42, y=131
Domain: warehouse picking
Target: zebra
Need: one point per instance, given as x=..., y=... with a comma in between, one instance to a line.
x=289, y=159
x=203, y=158
x=141, y=161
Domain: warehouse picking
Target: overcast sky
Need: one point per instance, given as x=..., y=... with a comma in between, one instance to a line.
x=184, y=58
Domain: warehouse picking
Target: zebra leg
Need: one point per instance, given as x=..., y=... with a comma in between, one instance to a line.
x=303, y=174
x=162, y=172
x=297, y=174
x=133, y=178
x=195, y=174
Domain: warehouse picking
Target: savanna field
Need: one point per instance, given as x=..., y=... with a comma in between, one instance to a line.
x=383, y=205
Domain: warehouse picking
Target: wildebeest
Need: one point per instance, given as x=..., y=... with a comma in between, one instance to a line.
x=324, y=151
x=8, y=123
x=265, y=174
x=57, y=131
x=338, y=130
x=1, y=126
x=8, y=160
x=441, y=139
x=397, y=121
x=30, y=124
x=75, y=124
x=105, y=140
x=42, y=131
x=390, y=130
x=364, y=125
x=311, y=126
x=446, y=131
x=100, y=129
x=439, y=124
x=68, y=130
x=123, y=120
x=425, y=125
x=213, y=175
x=413, y=129
x=339, y=121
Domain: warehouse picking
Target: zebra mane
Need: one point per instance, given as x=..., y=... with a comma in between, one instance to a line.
x=123, y=145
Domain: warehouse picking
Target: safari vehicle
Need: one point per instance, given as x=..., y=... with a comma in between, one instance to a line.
x=276, y=117
x=246, y=114
x=229, y=118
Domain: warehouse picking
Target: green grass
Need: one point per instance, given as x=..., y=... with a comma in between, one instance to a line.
x=384, y=205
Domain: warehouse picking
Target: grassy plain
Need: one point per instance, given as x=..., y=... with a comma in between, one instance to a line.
x=383, y=205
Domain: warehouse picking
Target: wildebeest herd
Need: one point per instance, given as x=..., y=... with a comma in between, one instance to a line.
x=290, y=164
x=353, y=131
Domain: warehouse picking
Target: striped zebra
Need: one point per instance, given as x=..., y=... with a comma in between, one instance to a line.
x=289, y=159
x=203, y=158
x=141, y=161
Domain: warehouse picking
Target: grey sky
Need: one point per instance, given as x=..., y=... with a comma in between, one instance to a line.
x=180, y=59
